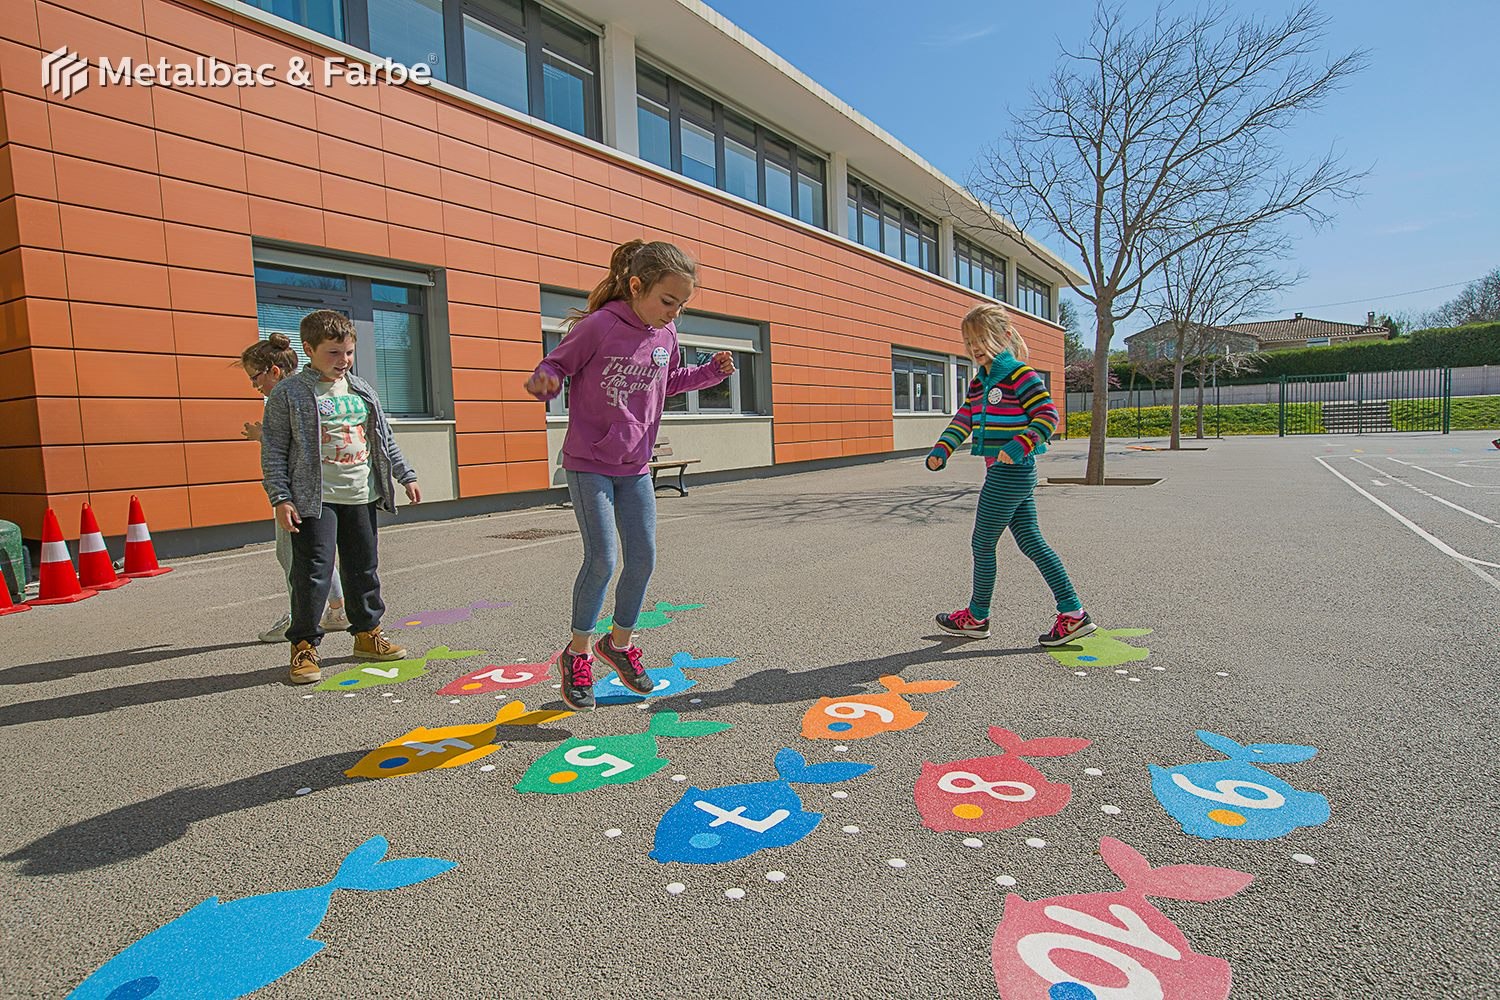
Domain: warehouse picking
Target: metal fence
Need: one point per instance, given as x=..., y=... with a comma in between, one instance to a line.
x=1366, y=402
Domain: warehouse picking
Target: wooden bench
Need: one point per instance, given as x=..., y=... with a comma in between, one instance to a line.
x=661, y=459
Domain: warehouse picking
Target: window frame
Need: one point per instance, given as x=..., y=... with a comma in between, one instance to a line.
x=889, y=212
x=718, y=121
x=943, y=377
x=1031, y=290
x=979, y=261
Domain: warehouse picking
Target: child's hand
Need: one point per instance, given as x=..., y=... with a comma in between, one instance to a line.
x=413, y=492
x=934, y=463
x=543, y=386
x=725, y=361
x=251, y=431
x=286, y=516
x=1005, y=459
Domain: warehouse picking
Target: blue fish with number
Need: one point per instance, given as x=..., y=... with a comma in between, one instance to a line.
x=710, y=827
x=667, y=680
x=1233, y=798
x=219, y=951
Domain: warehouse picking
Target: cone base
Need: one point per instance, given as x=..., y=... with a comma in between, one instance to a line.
x=14, y=608
x=117, y=582
x=70, y=599
x=149, y=572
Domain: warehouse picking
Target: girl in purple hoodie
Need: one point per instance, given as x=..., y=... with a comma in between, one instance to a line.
x=622, y=362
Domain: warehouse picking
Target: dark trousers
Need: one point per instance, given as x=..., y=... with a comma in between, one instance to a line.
x=349, y=529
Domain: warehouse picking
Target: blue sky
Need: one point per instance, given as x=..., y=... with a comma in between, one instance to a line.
x=1422, y=118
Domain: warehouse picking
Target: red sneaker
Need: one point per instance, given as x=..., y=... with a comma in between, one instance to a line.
x=962, y=622
x=1067, y=628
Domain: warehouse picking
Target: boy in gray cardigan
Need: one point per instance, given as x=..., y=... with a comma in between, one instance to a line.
x=328, y=457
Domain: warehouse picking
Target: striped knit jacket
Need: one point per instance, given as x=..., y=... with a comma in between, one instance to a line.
x=1007, y=409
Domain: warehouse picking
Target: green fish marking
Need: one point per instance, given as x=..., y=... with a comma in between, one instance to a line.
x=369, y=675
x=648, y=619
x=1101, y=648
x=578, y=765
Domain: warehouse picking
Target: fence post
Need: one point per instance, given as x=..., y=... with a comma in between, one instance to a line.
x=1359, y=405
x=1281, y=411
x=1447, y=399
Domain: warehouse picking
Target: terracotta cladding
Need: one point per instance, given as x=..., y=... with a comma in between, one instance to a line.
x=127, y=216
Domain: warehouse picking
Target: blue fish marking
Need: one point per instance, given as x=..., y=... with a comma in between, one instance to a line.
x=710, y=827
x=1235, y=800
x=219, y=951
x=668, y=680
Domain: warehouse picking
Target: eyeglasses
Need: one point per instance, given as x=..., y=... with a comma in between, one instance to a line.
x=257, y=376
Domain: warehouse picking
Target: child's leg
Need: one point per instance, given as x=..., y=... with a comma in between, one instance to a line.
x=312, y=569
x=336, y=591
x=635, y=517
x=1001, y=493
x=284, y=556
x=1028, y=535
x=593, y=499
x=358, y=560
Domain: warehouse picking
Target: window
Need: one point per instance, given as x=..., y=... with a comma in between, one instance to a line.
x=961, y=378
x=919, y=383
x=975, y=267
x=390, y=308
x=699, y=337
x=881, y=223
x=1033, y=295
x=691, y=133
x=513, y=52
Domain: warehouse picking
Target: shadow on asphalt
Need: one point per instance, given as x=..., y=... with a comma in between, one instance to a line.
x=34, y=673
x=70, y=706
x=780, y=686
x=136, y=830
x=911, y=505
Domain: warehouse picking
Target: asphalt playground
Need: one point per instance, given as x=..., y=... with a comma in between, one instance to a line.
x=1337, y=593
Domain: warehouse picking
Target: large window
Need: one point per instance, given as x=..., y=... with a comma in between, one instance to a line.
x=513, y=52
x=975, y=267
x=882, y=223
x=694, y=135
x=390, y=308
x=699, y=337
x=919, y=383
x=1033, y=295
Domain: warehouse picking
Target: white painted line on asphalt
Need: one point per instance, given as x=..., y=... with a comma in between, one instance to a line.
x=1431, y=496
x=442, y=562
x=1419, y=468
x=1468, y=562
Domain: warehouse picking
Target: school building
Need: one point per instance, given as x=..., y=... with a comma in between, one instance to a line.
x=180, y=177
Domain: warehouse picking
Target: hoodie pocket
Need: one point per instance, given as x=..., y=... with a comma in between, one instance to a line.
x=622, y=444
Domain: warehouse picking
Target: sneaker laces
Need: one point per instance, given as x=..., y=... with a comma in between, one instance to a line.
x=1064, y=623
x=963, y=618
x=579, y=668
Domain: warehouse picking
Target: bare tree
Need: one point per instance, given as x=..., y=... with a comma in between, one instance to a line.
x=1152, y=139
x=1479, y=302
x=1226, y=365
x=1208, y=286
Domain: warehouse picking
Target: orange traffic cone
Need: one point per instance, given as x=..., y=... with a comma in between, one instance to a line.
x=140, y=554
x=7, y=606
x=59, y=582
x=94, y=568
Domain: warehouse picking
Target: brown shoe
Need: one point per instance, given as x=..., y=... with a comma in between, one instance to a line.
x=372, y=645
x=305, y=664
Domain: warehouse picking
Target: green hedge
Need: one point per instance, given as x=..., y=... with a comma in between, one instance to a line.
x=1467, y=413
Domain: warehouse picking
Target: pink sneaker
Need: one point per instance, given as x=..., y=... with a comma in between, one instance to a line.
x=962, y=622
x=1067, y=628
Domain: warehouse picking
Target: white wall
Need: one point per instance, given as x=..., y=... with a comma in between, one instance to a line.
x=429, y=448
x=718, y=443
x=919, y=431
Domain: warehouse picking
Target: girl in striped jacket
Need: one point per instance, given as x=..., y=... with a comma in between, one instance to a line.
x=1010, y=415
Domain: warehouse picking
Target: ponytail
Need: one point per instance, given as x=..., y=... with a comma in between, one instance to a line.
x=650, y=262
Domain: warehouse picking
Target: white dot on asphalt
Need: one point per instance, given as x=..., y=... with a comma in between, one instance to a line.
x=973, y=842
x=676, y=888
x=1093, y=771
x=851, y=829
x=841, y=795
x=679, y=777
x=499, y=697
x=1080, y=673
x=695, y=701
x=841, y=749
x=349, y=695
x=454, y=701
x=1035, y=842
x=612, y=833
x=1005, y=880
x=1122, y=671
x=557, y=687
x=775, y=876
x=1134, y=680
x=399, y=700
x=897, y=863
x=487, y=767
x=307, y=696
x=386, y=694
x=734, y=893
x=1158, y=668
x=303, y=791
x=1304, y=859
x=1221, y=674
x=1110, y=810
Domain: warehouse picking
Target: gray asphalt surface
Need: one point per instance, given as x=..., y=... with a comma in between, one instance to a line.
x=153, y=751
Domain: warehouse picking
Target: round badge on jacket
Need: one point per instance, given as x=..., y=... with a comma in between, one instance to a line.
x=326, y=407
x=996, y=395
x=660, y=357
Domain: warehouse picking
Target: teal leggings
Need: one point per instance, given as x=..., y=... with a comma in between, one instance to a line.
x=1006, y=501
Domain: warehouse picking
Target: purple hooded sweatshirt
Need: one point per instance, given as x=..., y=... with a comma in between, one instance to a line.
x=622, y=372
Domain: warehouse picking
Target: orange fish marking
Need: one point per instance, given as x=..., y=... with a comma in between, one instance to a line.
x=864, y=715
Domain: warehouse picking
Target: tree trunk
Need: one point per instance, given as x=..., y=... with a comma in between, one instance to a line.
x=1202, y=374
x=1099, y=428
x=1178, y=363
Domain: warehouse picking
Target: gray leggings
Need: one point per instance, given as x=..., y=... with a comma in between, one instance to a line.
x=284, y=557
x=605, y=505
